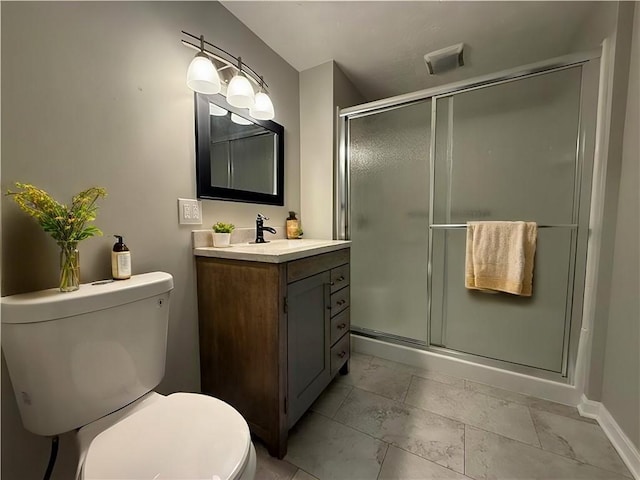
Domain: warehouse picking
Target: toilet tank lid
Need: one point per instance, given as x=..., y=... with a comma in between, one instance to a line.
x=51, y=304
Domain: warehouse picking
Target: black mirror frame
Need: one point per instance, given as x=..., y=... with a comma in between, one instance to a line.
x=203, y=156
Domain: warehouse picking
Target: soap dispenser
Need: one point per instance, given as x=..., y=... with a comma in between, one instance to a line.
x=120, y=260
x=293, y=226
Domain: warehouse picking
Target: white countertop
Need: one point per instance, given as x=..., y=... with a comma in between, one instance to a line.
x=276, y=251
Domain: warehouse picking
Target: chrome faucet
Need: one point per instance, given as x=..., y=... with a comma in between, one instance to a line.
x=260, y=229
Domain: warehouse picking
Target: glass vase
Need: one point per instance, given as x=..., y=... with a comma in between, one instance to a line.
x=69, y=266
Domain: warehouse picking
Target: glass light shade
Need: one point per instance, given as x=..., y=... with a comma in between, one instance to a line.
x=240, y=92
x=217, y=111
x=239, y=120
x=262, y=108
x=202, y=76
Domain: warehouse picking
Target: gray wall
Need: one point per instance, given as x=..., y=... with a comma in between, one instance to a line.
x=621, y=379
x=94, y=94
x=621, y=36
x=316, y=150
x=322, y=89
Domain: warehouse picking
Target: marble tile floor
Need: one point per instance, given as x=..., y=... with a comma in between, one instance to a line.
x=386, y=420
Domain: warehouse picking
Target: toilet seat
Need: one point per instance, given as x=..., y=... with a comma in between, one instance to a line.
x=181, y=436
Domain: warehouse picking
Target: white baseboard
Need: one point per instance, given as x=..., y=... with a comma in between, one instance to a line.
x=624, y=446
x=589, y=408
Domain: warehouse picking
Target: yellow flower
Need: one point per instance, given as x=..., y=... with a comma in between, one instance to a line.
x=63, y=223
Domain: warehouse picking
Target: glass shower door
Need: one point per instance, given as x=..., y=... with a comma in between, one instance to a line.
x=507, y=152
x=389, y=201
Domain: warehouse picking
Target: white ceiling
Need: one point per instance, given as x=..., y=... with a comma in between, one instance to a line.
x=380, y=45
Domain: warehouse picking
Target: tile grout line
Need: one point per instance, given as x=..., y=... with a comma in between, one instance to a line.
x=514, y=440
x=409, y=405
x=402, y=401
x=383, y=459
x=352, y=428
x=426, y=459
x=524, y=403
x=571, y=458
x=406, y=392
x=303, y=470
x=464, y=449
x=413, y=374
x=493, y=396
x=342, y=403
x=565, y=456
x=465, y=452
x=473, y=392
x=550, y=452
x=391, y=443
x=535, y=428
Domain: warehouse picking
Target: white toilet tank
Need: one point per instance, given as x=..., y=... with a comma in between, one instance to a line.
x=75, y=357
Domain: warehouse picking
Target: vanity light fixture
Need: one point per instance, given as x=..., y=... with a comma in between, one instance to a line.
x=262, y=108
x=217, y=111
x=202, y=76
x=239, y=120
x=239, y=92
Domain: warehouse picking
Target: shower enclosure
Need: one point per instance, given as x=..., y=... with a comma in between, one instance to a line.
x=412, y=170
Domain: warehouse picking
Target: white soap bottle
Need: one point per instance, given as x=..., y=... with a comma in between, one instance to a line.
x=120, y=260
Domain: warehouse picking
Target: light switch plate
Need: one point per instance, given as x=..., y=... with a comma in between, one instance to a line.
x=189, y=211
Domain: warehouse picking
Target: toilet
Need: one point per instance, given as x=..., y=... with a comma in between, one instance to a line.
x=88, y=361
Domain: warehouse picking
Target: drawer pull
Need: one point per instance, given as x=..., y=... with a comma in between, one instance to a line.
x=337, y=280
x=341, y=326
x=342, y=354
x=341, y=302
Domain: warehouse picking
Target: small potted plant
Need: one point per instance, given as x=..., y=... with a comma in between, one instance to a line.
x=222, y=234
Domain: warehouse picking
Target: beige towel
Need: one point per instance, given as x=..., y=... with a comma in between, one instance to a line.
x=500, y=256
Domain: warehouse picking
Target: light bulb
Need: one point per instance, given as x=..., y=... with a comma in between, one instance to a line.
x=262, y=108
x=202, y=76
x=240, y=120
x=240, y=92
x=216, y=110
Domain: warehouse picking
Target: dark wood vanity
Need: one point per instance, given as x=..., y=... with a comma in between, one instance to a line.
x=273, y=335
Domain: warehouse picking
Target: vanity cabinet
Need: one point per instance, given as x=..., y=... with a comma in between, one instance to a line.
x=272, y=336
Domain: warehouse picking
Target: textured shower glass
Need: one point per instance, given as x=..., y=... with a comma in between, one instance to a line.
x=389, y=169
x=507, y=152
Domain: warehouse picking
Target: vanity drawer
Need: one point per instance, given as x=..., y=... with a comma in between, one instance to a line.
x=306, y=267
x=340, y=354
x=339, y=277
x=339, y=301
x=339, y=325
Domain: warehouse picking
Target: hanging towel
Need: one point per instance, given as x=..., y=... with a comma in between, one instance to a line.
x=500, y=256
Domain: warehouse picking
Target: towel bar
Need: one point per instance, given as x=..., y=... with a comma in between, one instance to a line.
x=464, y=225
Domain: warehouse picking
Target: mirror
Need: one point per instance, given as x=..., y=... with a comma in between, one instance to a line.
x=238, y=158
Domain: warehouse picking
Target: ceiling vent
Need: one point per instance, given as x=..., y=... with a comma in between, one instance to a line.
x=445, y=59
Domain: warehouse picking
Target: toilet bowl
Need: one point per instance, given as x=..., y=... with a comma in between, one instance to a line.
x=181, y=436
x=89, y=360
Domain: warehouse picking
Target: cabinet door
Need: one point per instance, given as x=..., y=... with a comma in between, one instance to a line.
x=308, y=342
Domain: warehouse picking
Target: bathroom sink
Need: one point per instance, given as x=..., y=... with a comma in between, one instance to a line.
x=282, y=244
x=275, y=251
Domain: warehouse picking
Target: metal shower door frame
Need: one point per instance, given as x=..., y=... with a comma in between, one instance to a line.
x=582, y=194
